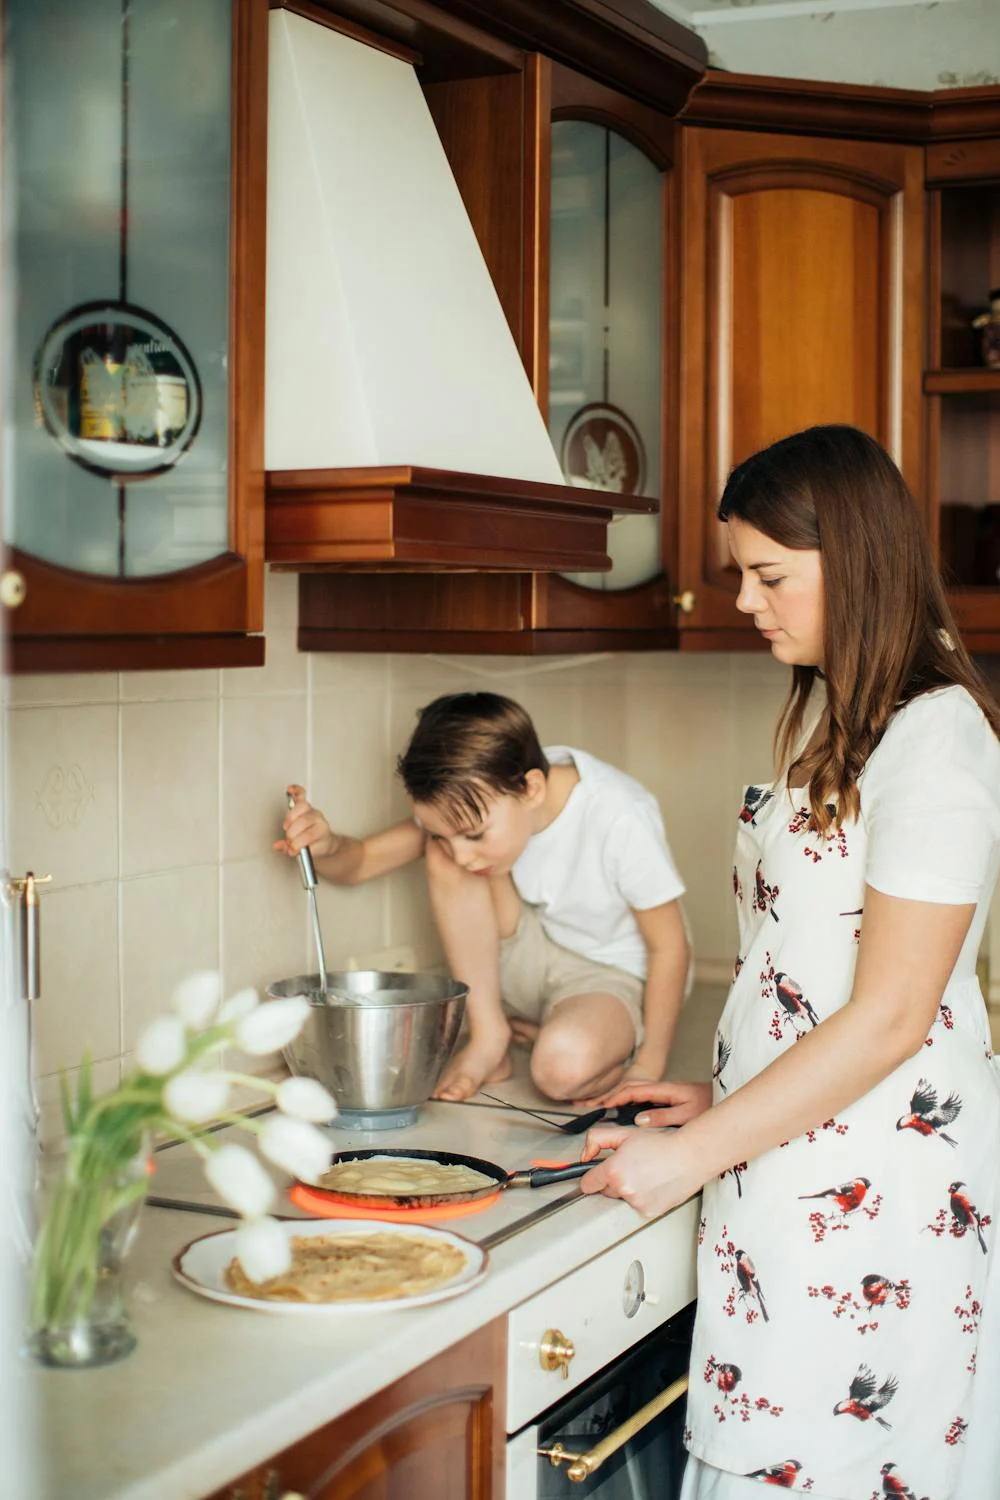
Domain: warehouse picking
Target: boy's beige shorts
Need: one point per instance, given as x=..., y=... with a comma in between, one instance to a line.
x=536, y=974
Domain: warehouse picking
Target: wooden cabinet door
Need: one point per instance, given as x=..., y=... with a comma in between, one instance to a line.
x=801, y=301
x=134, y=372
x=437, y=1432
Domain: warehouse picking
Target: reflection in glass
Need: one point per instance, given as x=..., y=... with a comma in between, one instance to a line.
x=117, y=170
x=605, y=361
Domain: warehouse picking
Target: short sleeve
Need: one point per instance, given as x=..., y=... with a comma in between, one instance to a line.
x=639, y=857
x=930, y=798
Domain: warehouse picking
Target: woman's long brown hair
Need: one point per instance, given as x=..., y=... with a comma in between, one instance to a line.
x=888, y=632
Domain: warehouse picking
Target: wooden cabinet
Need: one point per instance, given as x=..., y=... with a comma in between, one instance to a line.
x=439, y=1431
x=962, y=392
x=135, y=497
x=801, y=299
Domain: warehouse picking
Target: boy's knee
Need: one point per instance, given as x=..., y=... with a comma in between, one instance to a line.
x=559, y=1068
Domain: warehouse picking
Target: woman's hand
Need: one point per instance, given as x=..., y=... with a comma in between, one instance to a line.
x=305, y=827
x=680, y=1102
x=652, y=1171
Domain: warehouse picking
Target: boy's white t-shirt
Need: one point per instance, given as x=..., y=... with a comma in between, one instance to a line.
x=605, y=852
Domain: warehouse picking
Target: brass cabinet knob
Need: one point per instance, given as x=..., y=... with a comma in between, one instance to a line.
x=555, y=1352
x=12, y=588
x=685, y=602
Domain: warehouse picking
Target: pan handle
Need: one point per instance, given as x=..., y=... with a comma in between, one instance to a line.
x=542, y=1176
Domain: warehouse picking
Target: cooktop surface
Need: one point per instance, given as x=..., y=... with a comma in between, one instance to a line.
x=474, y=1128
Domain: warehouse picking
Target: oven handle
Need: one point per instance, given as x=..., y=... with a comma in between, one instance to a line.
x=582, y=1465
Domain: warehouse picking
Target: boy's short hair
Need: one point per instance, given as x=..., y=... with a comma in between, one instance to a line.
x=466, y=748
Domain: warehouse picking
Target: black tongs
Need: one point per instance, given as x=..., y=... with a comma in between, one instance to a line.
x=616, y=1114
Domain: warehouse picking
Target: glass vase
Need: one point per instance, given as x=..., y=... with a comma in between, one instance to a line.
x=78, y=1313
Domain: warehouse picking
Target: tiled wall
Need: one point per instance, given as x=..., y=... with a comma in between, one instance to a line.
x=153, y=799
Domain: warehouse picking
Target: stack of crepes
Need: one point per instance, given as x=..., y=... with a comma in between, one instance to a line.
x=355, y=1268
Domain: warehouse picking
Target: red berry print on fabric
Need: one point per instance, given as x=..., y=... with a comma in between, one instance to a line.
x=865, y=1307
x=926, y=1116
x=868, y=1397
x=844, y=1204
x=968, y=1313
x=946, y=1018
x=764, y=895
x=960, y=1217
x=837, y=1126
x=834, y=841
x=956, y=1432
x=732, y=1402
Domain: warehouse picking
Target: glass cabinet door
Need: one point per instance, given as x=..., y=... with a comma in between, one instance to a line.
x=123, y=203
x=605, y=332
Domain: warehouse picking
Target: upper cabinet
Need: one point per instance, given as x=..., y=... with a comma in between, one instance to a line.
x=134, y=171
x=962, y=377
x=801, y=297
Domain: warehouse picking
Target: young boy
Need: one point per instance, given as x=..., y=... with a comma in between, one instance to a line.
x=553, y=890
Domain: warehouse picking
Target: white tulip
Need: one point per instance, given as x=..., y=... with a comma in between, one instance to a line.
x=299, y=1148
x=305, y=1099
x=238, y=1006
x=162, y=1047
x=240, y=1180
x=263, y=1249
x=196, y=999
x=272, y=1026
x=196, y=1095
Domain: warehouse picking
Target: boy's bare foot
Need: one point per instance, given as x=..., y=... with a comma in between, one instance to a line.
x=524, y=1033
x=476, y=1064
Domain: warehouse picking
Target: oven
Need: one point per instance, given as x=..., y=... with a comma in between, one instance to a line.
x=598, y=1371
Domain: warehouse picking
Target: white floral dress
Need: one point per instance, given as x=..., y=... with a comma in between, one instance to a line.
x=842, y=1277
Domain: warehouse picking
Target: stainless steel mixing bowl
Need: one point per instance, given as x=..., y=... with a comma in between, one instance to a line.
x=379, y=1043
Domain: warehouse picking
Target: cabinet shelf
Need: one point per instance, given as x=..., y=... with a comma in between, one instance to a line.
x=960, y=382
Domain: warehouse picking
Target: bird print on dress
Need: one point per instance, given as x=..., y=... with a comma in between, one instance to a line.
x=926, y=1116
x=878, y=1295
x=749, y=1286
x=732, y=1402
x=894, y=1486
x=764, y=895
x=964, y=1213
x=795, y=1005
x=834, y=840
x=755, y=800
x=783, y=1476
x=867, y=1398
x=844, y=1202
x=723, y=1052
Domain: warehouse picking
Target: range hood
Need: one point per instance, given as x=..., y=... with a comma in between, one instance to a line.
x=400, y=426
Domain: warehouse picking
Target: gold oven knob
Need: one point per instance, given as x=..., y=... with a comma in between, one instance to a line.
x=555, y=1352
x=12, y=588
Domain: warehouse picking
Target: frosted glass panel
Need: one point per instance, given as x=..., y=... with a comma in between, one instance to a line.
x=605, y=331
x=116, y=166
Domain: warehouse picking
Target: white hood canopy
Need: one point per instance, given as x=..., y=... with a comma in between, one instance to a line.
x=386, y=342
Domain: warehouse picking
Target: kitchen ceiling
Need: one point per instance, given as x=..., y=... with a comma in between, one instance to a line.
x=913, y=44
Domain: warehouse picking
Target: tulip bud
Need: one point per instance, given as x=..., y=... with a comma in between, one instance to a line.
x=263, y=1249
x=305, y=1099
x=272, y=1026
x=240, y=1180
x=196, y=1095
x=238, y=1006
x=196, y=999
x=300, y=1149
x=162, y=1047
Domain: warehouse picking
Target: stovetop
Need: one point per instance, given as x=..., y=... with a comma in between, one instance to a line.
x=475, y=1128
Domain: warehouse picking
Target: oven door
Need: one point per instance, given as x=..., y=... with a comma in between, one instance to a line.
x=620, y=1436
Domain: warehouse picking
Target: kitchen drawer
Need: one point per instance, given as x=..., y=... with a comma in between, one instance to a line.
x=601, y=1309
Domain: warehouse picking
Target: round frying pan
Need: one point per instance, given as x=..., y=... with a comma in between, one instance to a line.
x=500, y=1178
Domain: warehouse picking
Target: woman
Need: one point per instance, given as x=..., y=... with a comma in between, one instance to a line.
x=849, y=1146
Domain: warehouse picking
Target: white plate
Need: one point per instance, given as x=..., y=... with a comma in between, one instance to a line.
x=201, y=1264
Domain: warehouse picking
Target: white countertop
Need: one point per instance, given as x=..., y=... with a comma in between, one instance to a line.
x=210, y=1391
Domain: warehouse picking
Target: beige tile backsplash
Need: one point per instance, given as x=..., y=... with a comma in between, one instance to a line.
x=153, y=799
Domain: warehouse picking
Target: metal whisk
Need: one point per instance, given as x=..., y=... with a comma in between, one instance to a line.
x=308, y=872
